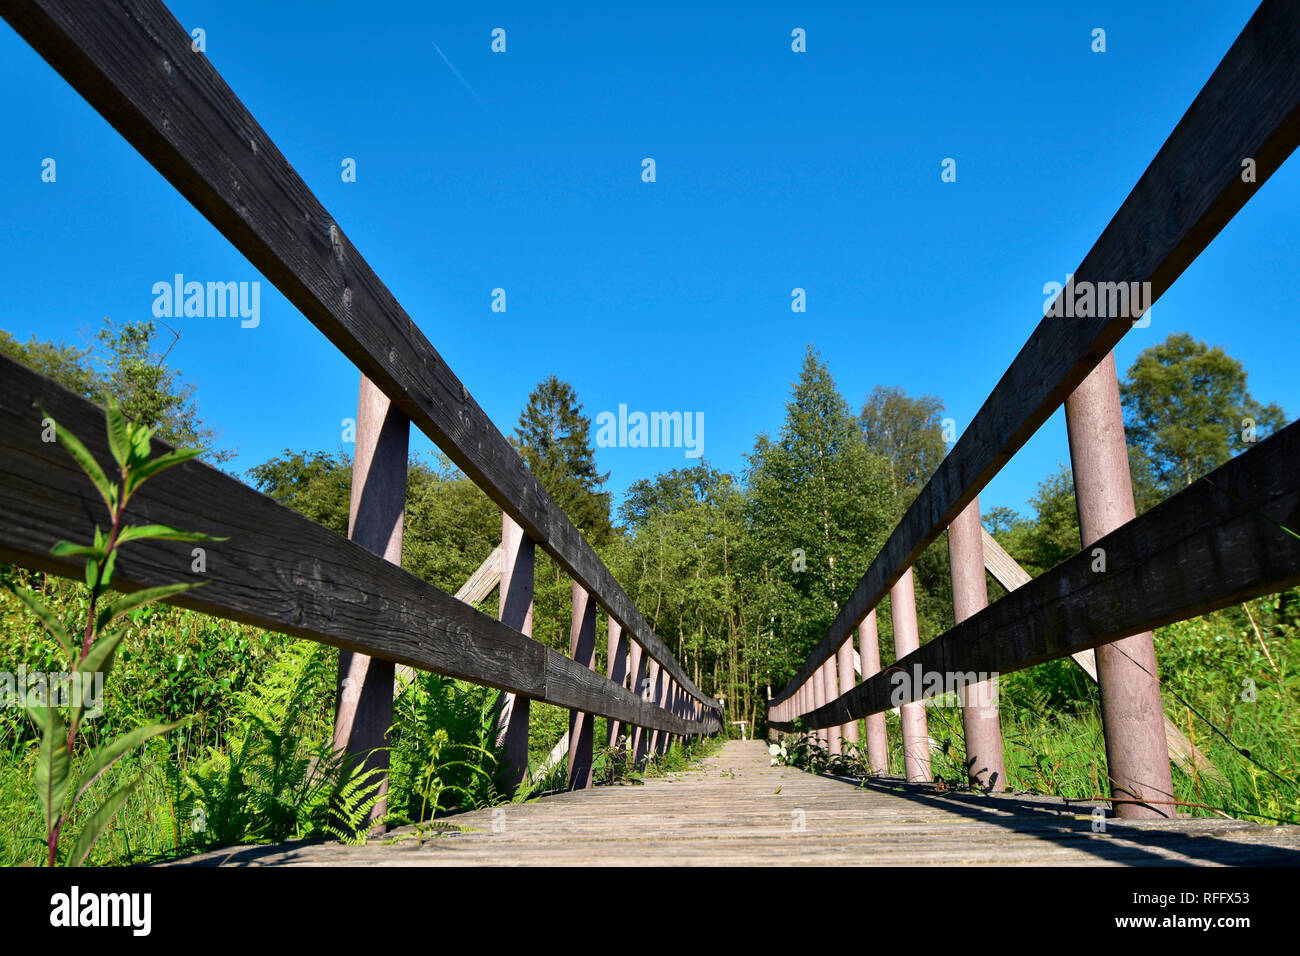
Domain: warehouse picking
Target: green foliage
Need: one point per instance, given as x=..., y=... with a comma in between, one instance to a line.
x=819, y=506
x=317, y=485
x=554, y=438
x=127, y=368
x=91, y=657
x=1185, y=406
x=444, y=750
x=276, y=773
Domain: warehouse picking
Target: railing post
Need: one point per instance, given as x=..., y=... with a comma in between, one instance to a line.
x=818, y=698
x=979, y=701
x=364, y=699
x=582, y=648
x=1137, y=751
x=617, y=670
x=907, y=638
x=877, y=735
x=665, y=693
x=636, y=668
x=517, y=558
x=650, y=738
x=832, y=690
x=844, y=665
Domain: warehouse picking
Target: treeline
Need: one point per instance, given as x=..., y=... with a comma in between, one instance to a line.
x=740, y=574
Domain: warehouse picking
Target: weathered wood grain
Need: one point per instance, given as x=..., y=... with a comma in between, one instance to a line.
x=132, y=61
x=1231, y=536
x=277, y=570
x=735, y=809
x=1250, y=107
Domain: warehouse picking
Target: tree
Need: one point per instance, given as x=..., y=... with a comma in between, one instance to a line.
x=820, y=504
x=677, y=562
x=908, y=432
x=1049, y=538
x=554, y=438
x=129, y=369
x=1186, y=408
x=316, y=484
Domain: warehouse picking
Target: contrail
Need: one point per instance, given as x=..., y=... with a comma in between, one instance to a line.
x=462, y=79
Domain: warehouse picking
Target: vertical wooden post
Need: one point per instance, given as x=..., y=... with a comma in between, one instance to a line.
x=616, y=669
x=979, y=708
x=832, y=690
x=636, y=668
x=650, y=738
x=818, y=698
x=844, y=665
x=582, y=648
x=363, y=709
x=907, y=638
x=517, y=560
x=1137, y=751
x=877, y=735
x=665, y=693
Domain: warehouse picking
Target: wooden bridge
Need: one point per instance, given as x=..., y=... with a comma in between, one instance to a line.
x=1229, y=537
x=736, y=809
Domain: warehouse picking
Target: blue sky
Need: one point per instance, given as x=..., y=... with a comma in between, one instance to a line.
x=775, y=170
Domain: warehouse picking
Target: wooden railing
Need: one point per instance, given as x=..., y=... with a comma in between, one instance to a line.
x=1222, y=540
x=134, y=63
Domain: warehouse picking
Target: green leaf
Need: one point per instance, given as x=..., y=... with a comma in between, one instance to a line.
x=140, y=445
x=66, y=549
x=92, y=572
x=86, y=460
x=119, y=442
x=149, y=469
x=100, y=655
x=129, y=602
x=105, y=757
x=47, y=618
x=109, y=563
x=161, y=531
x=93, y=828
x=53, y=764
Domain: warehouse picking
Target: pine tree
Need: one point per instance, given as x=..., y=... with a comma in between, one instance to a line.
x=554, y=438
x=820, y=504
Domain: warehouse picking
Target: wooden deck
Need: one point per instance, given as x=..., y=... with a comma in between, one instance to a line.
x=735, y=809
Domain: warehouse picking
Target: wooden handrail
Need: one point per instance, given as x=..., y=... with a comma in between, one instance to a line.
x=278, y=569
x=1249, y=108
x=133, y=62
x=1231, y=536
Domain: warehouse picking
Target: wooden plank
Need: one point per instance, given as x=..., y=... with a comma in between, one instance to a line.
x=476, y=587
x=1250, y=107
x=132, y=62
x=278, y=570
x=1008, y=572
x=1220, y=541
x=484, y=579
